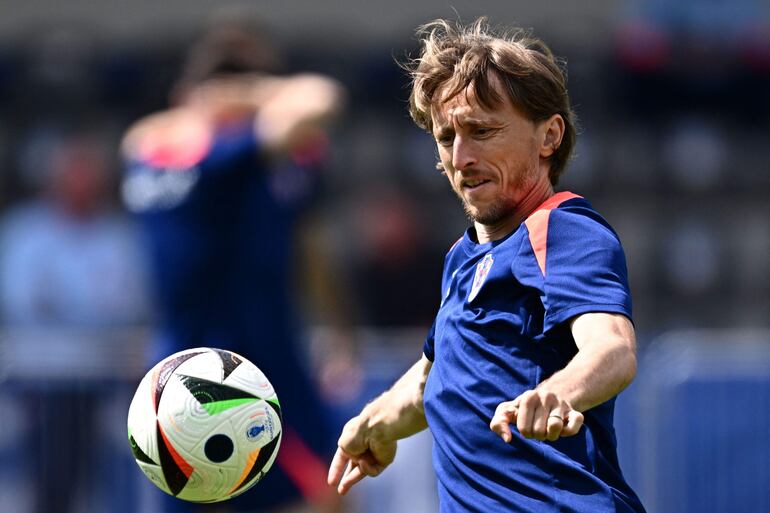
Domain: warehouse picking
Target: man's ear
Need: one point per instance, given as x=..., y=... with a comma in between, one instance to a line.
x=553, y=132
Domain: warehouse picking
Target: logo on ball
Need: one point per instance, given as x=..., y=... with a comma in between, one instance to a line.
x=254, y=430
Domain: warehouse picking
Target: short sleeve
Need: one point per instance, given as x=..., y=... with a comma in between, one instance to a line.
x=582, y=264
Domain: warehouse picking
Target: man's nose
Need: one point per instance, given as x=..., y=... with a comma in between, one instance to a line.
x=463, y=154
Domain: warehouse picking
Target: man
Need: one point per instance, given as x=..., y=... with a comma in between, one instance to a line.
x=218, y=182
x=533, y=337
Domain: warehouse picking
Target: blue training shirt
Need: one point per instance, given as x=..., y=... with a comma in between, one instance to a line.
x=220, y=230
x=500, y=331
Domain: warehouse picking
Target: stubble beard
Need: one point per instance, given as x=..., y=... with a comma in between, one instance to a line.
x=492, y=215
x=504, y=207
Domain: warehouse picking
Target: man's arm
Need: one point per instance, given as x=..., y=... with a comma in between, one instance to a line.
x=604, y=365
x=368, y=442
x=289, y=112
x=294, y=110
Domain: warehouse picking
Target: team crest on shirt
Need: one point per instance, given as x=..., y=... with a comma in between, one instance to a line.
x=482, y=271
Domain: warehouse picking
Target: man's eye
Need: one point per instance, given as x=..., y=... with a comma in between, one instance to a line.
x=445, y=140
x=482, y=132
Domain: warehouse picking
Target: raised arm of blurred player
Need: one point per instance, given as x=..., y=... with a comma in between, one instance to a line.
x=297, y=111
x=604, y=365
x=368, y=442
x=289, y=112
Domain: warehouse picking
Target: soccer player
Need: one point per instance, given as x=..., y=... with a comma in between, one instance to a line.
x=218, y=181
x=533, y=337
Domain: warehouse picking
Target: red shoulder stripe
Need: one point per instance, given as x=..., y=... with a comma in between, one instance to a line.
x=556, y=200
x=537, y=225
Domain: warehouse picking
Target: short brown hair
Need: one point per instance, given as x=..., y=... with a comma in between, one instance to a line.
x=466, y=56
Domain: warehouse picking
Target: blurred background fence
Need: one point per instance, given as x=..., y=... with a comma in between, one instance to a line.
x=694, y=428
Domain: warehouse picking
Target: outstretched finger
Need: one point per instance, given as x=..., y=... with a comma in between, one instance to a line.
x=351, y=477
x=337, y=467
x=573, y=424
x=504, y=416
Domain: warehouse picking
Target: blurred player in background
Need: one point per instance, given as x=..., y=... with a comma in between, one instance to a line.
x=533, y=338
x=218, y=182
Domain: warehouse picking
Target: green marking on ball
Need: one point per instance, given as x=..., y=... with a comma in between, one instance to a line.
x=217, y=407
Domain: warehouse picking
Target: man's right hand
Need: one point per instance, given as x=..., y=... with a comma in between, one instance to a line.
x=359, y=454
x=368, y=442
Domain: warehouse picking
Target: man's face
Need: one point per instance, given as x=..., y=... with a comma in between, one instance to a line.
x=492, y=158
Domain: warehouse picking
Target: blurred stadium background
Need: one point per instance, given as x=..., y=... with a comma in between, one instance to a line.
x=674, y=104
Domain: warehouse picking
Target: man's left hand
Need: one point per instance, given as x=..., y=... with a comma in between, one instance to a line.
x=538, y=414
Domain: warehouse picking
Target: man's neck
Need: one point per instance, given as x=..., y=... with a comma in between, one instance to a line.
x=534, y=198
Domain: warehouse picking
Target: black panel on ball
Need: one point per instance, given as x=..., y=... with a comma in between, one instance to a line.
x=138, y=452
x=205, y=391
x=175, y=476
x=276, y=408
x=218, y=448
x=230, y=361
x=165, y=373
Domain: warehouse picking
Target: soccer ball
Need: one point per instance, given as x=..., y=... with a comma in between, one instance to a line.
x=204, y=425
